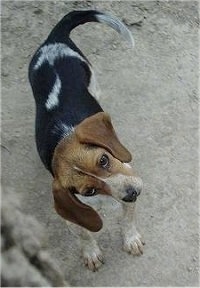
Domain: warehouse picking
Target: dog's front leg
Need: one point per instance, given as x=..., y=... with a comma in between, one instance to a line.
x=90, y=250
x=133, y=242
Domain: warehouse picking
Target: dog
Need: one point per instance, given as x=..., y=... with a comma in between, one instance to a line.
x=76, y=140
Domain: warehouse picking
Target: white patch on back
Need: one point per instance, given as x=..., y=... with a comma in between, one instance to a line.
x=52, y=52
x=52, y=100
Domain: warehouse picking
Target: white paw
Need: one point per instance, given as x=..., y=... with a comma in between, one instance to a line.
x=134, y=244
x=92, y=256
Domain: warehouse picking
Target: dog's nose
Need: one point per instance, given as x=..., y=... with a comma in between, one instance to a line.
x=132, y=194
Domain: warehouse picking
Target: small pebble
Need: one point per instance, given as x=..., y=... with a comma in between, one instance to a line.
x=38, y=11
x=189, y=269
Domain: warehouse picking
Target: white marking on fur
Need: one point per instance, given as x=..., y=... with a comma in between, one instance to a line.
x=88, y=173
x=132, y=239
x=52, y=52
x=93, y=87
x=63, y=129
x=52, y=100
x=127, y=165
x=118, y=183
x=67, y=130
x=117, y=25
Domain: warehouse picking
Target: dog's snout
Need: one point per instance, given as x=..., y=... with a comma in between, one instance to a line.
x=131, y=194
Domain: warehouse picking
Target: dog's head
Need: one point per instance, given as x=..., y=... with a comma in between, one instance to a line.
x=91, y=161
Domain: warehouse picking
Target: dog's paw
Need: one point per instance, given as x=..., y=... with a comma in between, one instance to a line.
x=92, y=256
x=134, y=244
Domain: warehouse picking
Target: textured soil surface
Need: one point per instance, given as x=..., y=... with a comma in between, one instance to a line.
x=151, y=93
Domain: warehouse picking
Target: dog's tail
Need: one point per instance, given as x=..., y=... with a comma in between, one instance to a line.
x=75, y=18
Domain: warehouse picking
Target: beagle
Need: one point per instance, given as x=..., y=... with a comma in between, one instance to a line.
x=75, y=138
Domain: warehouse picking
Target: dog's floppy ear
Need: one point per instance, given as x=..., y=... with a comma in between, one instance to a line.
x=98, y=130
x=70, y=208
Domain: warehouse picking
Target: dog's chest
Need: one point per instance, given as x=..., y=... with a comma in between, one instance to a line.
x=110, y=210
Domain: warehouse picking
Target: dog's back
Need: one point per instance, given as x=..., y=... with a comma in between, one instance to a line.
x=60, y=77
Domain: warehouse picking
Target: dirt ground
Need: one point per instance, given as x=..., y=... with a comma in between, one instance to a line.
x=151, y=93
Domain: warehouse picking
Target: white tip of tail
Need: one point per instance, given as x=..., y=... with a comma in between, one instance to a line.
x=117, y=25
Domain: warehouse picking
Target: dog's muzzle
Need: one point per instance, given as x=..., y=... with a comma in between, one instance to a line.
x=132, y=194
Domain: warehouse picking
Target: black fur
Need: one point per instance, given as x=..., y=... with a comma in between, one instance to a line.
x=75, y=101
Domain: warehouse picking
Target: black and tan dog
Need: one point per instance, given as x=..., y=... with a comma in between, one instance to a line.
x=75, y=137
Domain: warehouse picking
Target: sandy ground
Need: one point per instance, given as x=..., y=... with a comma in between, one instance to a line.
x=151, y=93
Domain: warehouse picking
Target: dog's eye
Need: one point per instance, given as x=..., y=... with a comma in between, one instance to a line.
x=90, y=192
x=104, y=161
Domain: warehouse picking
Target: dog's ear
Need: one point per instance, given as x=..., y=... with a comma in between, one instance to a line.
x=70, y=208
x=98, y=130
